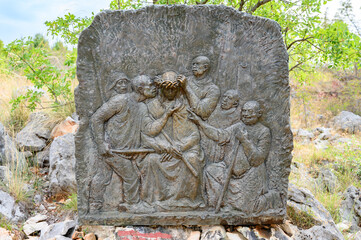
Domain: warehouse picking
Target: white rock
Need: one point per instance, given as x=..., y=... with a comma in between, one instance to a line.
x=58, y=230
x=13, y=211
x=34, y=135
x=62, y=165
x=347, y=122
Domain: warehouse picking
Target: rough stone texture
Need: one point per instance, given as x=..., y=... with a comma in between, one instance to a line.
x=5, y=174
x=42, y=158
x=305, y=134
x=302, y=200
x=62, y=165
x=9, y=153
x=69, y=125
x=327, y=179
x=34, y=135
x=350, y=209
x=213, y=232
x=347, y=122
x=62, y=230
x=13, y=211
x=35, y=224
x=168, y=38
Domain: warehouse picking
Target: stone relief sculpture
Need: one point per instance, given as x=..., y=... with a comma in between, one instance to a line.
x=186, y=142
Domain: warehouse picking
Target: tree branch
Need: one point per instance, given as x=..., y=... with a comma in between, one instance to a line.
x=203, y=2
x=258, y=4
x=298, y=40
x=241, y=5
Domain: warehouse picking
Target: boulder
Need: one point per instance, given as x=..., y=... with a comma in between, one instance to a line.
x=35, y=224
x=327, y=179
x=5, y=174
x=62, y=165
x=305, y=134
x=42, y=158
x=9, y=153
x=350, y=208
x=302, y=201
x=14, y=212
x=323, y=133
x=62, y=230
x=69, y=125
x=347, y=122
x=35, y=134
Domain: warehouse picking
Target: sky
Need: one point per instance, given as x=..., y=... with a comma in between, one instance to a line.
x=22, y=18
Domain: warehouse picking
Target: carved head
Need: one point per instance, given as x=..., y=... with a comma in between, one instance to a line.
x=119, y=82
x=251, y=112
x=230, y=99
x=144, y=86
x=200, y=66
x=168, y=84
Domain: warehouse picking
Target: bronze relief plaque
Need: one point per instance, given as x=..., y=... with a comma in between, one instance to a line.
x=184, y=116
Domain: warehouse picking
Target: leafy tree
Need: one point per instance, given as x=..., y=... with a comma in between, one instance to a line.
x=34, y=62
x=40, y=41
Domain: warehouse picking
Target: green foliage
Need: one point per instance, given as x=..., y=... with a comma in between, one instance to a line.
x=35, y=64
x=68, y=27
x=301, y=219
x=71, y=203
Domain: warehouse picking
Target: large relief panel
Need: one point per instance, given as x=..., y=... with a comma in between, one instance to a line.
x=184, y=118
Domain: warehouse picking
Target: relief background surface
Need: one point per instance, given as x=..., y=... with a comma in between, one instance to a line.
x=246, y=52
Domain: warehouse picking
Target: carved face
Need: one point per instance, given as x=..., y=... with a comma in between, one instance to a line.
x=122, y=86
x=251, y=112
x=199, y=66
x=229, y=100
x=149, y=89
x=170, y=93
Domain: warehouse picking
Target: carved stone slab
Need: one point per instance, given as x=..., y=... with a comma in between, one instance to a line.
x=184, y=118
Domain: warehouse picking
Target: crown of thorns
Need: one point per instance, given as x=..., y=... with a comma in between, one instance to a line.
x=166, y=81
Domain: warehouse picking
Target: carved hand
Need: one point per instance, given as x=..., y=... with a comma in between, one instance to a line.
x=182, y=81
x=193, y=117
x=104, y=150
x=174, y=107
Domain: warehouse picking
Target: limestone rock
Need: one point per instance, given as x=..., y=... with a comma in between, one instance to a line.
x=101, y=232
x=305, y=134
x=35, y=224
x=69, y=125
x=347, y=122
x=62, y=165
x=302, y=201
x=328, y=179
x=5, y=234
x=344, y=226
x=13, y=211
x=213, y=233
x=5, y=174
x=9, y=153
x=324, y=133
x=195, y=235
x=235, y=236
x=34, y=135
x=42, y=158
x=59, y=231
x=350, y=209
x=319, y=232
x=262, y=232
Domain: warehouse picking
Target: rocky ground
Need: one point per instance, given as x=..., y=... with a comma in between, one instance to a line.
x=38, y=200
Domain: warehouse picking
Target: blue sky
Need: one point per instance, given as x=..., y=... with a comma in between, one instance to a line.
x=21, y=18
